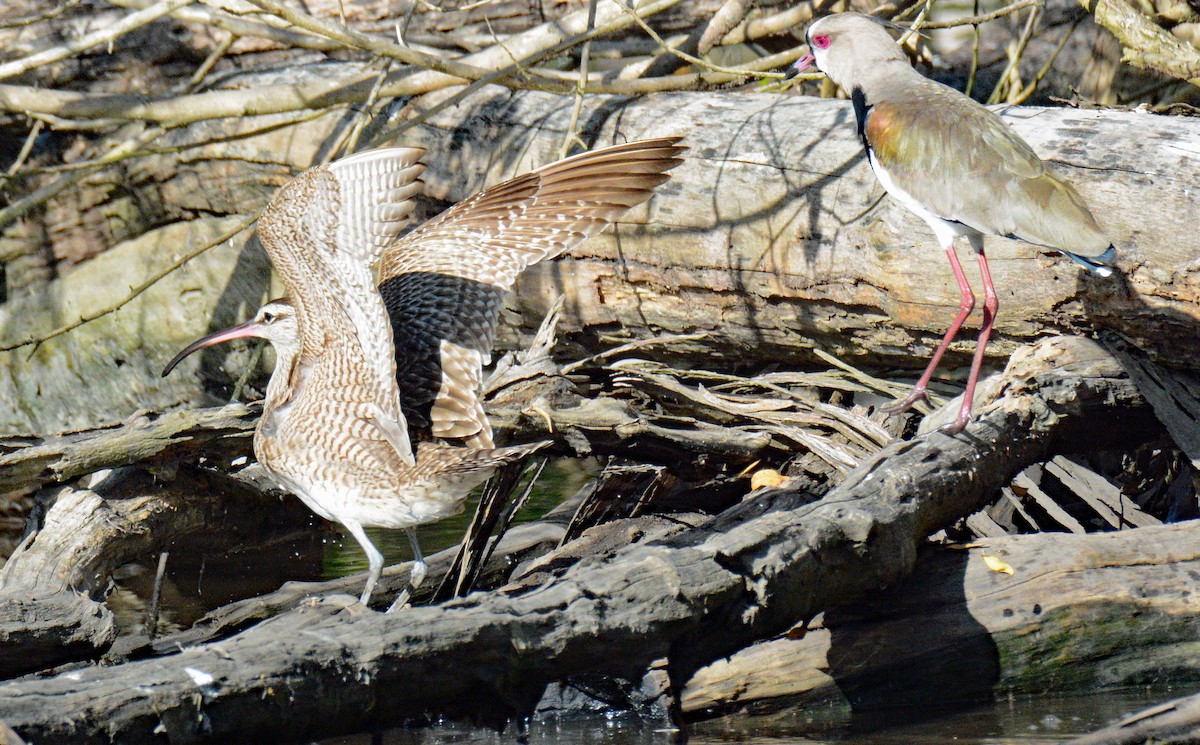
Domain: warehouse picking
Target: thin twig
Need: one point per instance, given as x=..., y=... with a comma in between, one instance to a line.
x=978, y=18
x=696, y=61
x=917, y=24
x=974, y=53
x=244, y=379
x=692, y=81
x=572, y=134
x=209, y=63
x=26, y=148
x=1012, y=70
x=458, y=8
x=1029, y=89
x=363, y=115
x=50, y=14
x=156, y=595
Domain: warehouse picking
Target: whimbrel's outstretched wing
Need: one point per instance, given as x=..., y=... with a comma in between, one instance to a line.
x=324, y=231
x=444, y=282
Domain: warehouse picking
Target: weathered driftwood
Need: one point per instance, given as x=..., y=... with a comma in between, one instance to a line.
x=71, y=548
x=182, y=434
x=772, y=240
x=701, y=594
x=1072, y=617
x=52, y=588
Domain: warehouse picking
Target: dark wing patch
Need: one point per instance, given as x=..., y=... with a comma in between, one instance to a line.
x=427, y=309
x=444, y=282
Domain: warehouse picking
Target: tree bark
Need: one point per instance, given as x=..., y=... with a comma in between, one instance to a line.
x=701, y=594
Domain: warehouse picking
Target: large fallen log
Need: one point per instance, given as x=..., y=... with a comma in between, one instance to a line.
x=959, y=631
x=754, y=571
x=772, y=240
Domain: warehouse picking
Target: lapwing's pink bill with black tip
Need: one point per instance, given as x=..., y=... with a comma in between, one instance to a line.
x=956, y=165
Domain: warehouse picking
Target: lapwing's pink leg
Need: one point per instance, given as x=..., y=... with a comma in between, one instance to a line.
x=965, y=305
x=990, y=305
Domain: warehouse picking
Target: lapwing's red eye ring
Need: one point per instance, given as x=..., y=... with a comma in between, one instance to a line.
x=820, y=42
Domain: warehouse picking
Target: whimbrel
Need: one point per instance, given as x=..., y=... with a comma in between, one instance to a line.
x=373, y=415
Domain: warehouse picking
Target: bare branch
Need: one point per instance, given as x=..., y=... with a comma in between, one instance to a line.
x=96, y=38
x=1146, y=44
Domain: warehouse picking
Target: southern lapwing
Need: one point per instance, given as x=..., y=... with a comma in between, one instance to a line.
x=953, y=163
x=335, y=428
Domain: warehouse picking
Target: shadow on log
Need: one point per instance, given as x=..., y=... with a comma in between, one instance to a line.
x=958, y=631
x=51, y=588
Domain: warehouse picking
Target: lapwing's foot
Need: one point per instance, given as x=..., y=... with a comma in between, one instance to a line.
x=955, y=427
x=900, y=407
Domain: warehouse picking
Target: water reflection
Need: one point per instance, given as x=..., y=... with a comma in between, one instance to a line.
x=1023, y=721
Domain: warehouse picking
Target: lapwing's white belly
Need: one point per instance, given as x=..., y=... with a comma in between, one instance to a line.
x=945, y=230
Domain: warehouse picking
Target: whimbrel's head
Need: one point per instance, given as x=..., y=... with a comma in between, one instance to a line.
x=275, y=322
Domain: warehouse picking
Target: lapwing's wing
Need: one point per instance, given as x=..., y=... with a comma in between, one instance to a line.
x=989, y=180
x=444, y=282
x=324, y=232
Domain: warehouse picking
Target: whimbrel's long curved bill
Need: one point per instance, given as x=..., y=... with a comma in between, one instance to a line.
x=247, y=329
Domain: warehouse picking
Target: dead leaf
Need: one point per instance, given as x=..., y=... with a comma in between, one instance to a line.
x=997, y=565
x=767, y=477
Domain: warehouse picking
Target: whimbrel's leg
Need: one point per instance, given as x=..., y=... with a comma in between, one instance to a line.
x=966, y=304
x=374, y=559
x=419, y=567
x=990, y=305
x=416, y=577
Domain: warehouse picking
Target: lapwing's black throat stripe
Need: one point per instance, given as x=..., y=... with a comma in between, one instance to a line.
x=861, y=112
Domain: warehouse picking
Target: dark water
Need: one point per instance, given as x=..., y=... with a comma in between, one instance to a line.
x=1024, y=721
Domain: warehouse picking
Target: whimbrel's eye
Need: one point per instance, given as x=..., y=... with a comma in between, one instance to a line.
x=268, y=317
x=820, y=42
